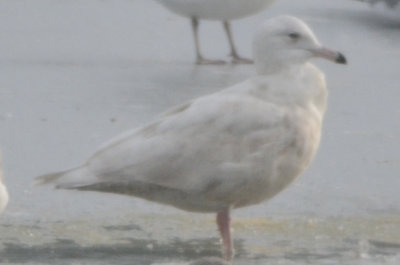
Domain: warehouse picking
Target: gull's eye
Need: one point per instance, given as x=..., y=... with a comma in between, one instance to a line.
x=294, y=36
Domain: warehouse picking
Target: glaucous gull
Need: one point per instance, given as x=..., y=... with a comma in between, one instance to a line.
x=230, y=149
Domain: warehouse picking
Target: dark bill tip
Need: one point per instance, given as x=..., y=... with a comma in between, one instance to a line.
x=341, y=59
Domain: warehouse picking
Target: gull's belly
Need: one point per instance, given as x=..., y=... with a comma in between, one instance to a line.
x=250, y=182
x=216, y=9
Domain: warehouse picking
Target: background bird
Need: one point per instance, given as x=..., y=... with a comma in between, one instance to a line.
x=389, y=3
x=3, y=191
x=231, y=149
x=222, y=10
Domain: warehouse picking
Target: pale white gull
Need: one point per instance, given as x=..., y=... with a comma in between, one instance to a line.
x=3, y=191
x=222, y=10
x=234, y=148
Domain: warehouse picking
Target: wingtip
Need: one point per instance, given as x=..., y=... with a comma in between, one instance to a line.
x=48, y=178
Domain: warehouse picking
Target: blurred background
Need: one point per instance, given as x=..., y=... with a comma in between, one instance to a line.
x=75, y=73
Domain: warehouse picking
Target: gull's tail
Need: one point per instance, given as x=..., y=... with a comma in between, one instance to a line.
x=70, y=179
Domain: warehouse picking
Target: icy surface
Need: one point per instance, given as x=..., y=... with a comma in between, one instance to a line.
x=75, y=73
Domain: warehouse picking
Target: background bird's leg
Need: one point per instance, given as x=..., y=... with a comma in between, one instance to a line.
x=199, y=57
x=224, y=226
x=234, y=53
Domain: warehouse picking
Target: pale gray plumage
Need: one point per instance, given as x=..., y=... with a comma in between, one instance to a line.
x=230, y=149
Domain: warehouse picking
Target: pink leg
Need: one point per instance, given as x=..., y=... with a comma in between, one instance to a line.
x=224, y=226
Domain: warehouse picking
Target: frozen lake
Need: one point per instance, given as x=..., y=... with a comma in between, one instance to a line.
x=75, y=73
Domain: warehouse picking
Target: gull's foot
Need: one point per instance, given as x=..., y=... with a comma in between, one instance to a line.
x=241, y=60
x=202, y=61
x=228, y=255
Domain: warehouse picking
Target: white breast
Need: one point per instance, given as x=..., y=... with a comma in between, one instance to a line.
x=216, y=9
x=279, y=162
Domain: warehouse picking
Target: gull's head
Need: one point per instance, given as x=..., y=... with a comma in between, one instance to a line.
x=284, y=41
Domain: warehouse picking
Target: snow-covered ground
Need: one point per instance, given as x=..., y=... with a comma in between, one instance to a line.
x=75, y=73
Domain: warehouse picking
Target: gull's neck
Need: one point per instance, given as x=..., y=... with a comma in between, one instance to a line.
x=272, y=68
